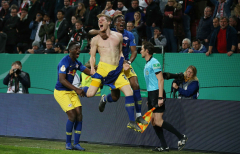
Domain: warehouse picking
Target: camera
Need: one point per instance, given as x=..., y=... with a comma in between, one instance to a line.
x=17, y=71
x=179, y=77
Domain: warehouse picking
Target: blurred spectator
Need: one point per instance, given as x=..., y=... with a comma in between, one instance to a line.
x=35, y=48
x=129, y=16
x=121, y=7
x=10, y=29
x=33, y=9
x=35, y=25
x=187, y=12
x=23, y=31
x=222, y=8
x=215, y=22
x=186, y=45
x=78, y=35
x=143, y=4
x=108, y=9
x=91, y=20
x=87, y=48
x=61, y=29
x=233, y=22
x=158, y=39
x=152, y=18
x=59, y=48
x=24, y=4
x=197, y=47
x=140, y=26
x=172, y=25
x=72, y=26
x=46, y=30
x=58, y=6
x=236, y=10
x=3, y=40
x=80, y=12
x=13, y=2
x=223, y=39
x=49, y=47
x=130, y=28
x=162, y=4
x=189, y=87
x=205, y=27
x=49, y=7
x=17, y=80
x=68, y=11
x=4, y=14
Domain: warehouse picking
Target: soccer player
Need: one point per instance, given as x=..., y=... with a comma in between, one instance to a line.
x=67, y=95
x=128, y=42
x=154, y=82
x=110, y=68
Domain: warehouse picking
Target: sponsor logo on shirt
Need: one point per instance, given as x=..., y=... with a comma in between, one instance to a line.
x=156, y=66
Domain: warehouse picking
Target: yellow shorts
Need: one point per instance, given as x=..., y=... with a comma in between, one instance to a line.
x=68, y=100
x=130, y=72
x=103, y=70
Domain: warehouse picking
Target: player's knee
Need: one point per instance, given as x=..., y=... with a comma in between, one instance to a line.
x=115, y=98
x=90, y=94
x=72, y=117
x=79, y=117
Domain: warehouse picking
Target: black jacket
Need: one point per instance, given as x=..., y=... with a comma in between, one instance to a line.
x=153, y=14
x=33, y=11
x=91, y=17
x=23, y=78
x=24, y=32
x=62, y=33
x=10, y=29
x=68, y=14
x=205, y=28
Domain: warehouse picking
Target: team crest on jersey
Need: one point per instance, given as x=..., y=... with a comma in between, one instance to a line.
x=146, y=72
x=73, y=72
x=69, y=105
x=125, y=38
x=77, y=65
x=63, y=68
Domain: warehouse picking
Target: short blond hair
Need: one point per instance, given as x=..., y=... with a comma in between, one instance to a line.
x=108, y=18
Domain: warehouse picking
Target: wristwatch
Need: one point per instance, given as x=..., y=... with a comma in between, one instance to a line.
x=129, y=62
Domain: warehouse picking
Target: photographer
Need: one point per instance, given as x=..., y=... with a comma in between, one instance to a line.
x=17, y=80
x=188, y=87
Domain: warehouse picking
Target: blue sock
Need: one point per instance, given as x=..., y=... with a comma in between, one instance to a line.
x=129, y=105
x=85, y=89
x=69, y=127
x=108, y=98
x=138, y=100
x=77, y=132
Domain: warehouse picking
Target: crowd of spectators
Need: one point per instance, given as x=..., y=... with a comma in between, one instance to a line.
x=48, y=26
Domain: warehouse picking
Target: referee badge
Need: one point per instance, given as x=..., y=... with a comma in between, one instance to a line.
x=63, y=68
x=147, y=72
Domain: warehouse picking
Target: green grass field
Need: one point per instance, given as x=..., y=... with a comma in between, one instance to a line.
x=9, y=145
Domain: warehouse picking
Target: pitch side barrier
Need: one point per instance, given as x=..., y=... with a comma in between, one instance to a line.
x=218, y=74
x=210, y=125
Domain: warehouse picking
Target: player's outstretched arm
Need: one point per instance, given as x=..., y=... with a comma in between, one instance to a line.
x=93, y=32
x=87, y=71
x=93, y=51
x=133, y=48
x=64, y=81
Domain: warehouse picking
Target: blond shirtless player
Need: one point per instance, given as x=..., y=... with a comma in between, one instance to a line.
x=110, y=68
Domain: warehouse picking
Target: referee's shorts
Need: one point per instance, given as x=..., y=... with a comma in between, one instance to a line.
x=153, y=101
